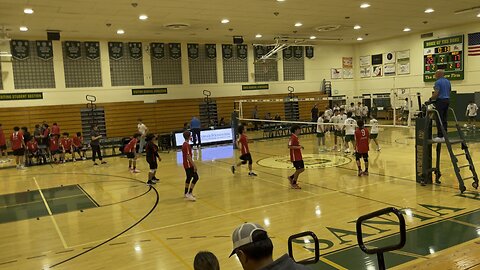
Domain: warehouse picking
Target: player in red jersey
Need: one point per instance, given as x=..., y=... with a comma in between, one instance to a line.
x=32, y=148
x=66, y=147
x=55, y=130
x=77, y=143
x=295, y=156
x=54, y=148
x=152, y=156
x=3, y=146
x=242, y=144
x=362, y=138
x=131, y=151
x=18, y=147
x=189, y=166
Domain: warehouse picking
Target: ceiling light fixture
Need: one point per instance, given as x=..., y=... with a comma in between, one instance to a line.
x=406, y=29
x=365, y=5
x=28, y=11
x=280, y=0
x=429, y=10
x=356, y=27
x=359, y=38
x=143, y=17
x=23, y=28
x=298, y=24
x=478, y=15
x=313, y=37
x=120, y=31
x=258, y=35
x=225, y=21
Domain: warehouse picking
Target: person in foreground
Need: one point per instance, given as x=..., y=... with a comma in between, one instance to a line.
x=205, y=260
x=254, y=250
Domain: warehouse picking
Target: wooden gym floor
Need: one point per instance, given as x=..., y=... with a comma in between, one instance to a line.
x=63, y=216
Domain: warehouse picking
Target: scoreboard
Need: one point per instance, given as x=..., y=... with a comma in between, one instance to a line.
x=446, y=54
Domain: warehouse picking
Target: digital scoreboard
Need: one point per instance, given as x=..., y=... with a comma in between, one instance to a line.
x=446, y=54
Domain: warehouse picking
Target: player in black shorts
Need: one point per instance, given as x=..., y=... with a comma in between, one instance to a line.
x=152, y=157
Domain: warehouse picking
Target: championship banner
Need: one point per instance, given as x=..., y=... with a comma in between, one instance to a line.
x=288, y=52
x=259, y=51
x=211, y=51
x=269, y=48
x=227, y=51
x=309, y=52
x=72, y=49
x=92, y=50
x=157, y=50
x=242, y=51
x=298, y=52
x=174, y=50
x=115, y=50
x=192, y=50
x=20, y=49
x=135, y=49
x=44, y=49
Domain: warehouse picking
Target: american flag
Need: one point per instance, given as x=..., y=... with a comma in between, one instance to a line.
x=474, y=44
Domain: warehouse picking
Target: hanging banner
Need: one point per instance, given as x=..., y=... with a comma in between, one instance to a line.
x=174, y=50
x=242, y=51
x=211, y=51
x=288, y=53
x=44, y=49
x=227, y=51
x=20, y=49
x=309, y=52
x=72, y=49
x=135, y=49
x=298, y=52
x=259, y=51
x=157, y=50
x=270, y=48
x=115, y=50
x=192, y=50
x=92, y=50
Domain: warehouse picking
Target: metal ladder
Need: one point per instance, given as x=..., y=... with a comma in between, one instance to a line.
x=455, y=156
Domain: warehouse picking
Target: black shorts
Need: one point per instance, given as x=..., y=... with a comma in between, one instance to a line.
x=373, y=136
x=361, y=155
x=19, y=152
x=349, y=138
x=3, y=147
x=191, y=174
x=470, y=117
x=246, y=158
x=131, y=155
x=153, y=165
x=54, y=152
x=298, y=164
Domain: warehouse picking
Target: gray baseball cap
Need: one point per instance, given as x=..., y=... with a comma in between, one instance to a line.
x=242, y=235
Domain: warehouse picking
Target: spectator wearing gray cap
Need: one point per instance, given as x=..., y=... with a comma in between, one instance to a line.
x=254, y=250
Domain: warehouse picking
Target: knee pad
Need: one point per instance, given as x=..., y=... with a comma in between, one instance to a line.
x=244, y=162
x=195, y=178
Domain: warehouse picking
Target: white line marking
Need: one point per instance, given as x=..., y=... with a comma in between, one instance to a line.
x=51, y=215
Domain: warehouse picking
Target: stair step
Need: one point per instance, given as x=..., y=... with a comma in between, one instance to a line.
x=461, y=154
x=471, y=177
x=455, y=141
x=464, y=166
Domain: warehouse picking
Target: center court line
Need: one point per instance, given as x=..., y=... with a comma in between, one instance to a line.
x=51, y=215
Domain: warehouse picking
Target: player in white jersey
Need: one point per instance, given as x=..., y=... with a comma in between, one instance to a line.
x=334, y=121
x=350, y=125
x=364, y=113
x=374, y=132
x=358, y=111
x=471, y=113
x=341, y=127
x=321, y=133
x=327, y=115
x=352, y=108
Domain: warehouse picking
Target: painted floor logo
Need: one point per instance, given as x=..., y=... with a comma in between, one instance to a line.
x=310, y=160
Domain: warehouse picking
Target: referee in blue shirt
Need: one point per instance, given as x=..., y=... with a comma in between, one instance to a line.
x=196, y=126
x=442, y=100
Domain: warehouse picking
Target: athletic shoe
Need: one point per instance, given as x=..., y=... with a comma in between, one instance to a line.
x=360, y=172
x=73, y=160
x=295, y=186
x=347, y=150
x=154, y=180
x=95, y=164
x=84, y=158
x=365, y=173
x=379, y=148
x=233, y=169
x=438, y=139
x=252, y=174
x=137, y=171
x=189, y=197
x=104, y=162
x=150, y=182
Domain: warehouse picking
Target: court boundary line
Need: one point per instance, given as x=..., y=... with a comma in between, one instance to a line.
x=88, y=195
x=64, y=243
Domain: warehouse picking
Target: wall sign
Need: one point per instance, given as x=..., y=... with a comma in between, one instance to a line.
x=246, y=87
x=149, y=91
x=22, y=96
